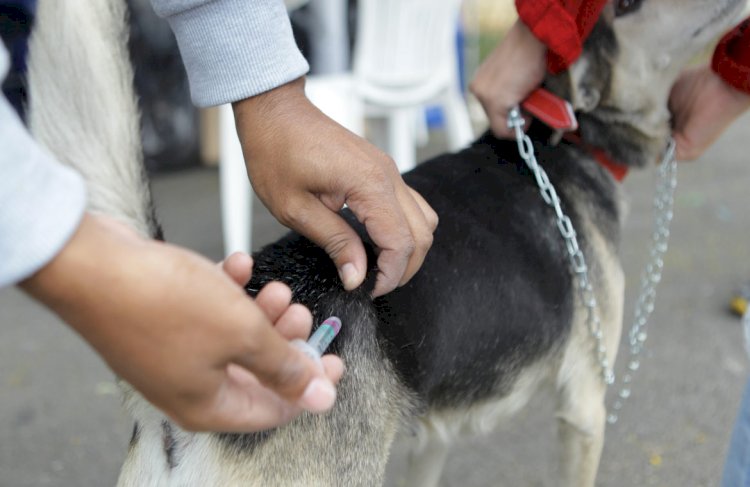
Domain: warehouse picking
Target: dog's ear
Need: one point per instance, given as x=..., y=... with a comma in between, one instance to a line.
x=585, y=89
x=587, y=80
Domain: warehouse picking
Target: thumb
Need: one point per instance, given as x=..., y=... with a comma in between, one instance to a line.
x=285, y=370
x=327, y=229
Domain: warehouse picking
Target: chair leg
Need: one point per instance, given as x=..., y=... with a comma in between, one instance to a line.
x=334, y=95
x=421, y=129
x=401, y=139
x=236, y=200
x=457, y=122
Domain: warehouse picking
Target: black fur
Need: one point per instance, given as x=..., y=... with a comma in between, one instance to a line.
x=169, y=444
x=135, y=435
x=470, y=319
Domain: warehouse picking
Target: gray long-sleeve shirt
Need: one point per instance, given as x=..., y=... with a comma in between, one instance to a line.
x=232, y=49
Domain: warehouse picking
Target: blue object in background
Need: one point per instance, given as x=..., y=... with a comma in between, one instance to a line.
x=434, y=114
x=435, y=117
x=461, y=55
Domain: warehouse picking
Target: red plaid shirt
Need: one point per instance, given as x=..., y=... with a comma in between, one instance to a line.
x=564, y=24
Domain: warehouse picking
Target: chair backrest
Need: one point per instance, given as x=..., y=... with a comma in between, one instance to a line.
x=404, y=43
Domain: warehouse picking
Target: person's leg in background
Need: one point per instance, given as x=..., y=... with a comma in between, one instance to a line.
x=737, y=466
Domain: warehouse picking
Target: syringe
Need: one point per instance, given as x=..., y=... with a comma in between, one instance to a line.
x=321, y=339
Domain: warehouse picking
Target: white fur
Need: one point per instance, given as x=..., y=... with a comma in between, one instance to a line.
x=78, y=46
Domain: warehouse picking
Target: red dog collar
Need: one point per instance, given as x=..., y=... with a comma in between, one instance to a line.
x=558, y=114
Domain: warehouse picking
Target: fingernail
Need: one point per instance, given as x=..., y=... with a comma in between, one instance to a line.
x=319, y=396
x=348, y=274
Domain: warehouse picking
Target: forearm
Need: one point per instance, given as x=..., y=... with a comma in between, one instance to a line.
x=41, y=201
x=511, y=71
x=706, y=100
x=233, y=49
x=98, y=256
x=703, y=105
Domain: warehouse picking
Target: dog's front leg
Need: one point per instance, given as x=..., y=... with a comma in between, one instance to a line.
x=426, y=461
x=581, y=411
x=581, y=434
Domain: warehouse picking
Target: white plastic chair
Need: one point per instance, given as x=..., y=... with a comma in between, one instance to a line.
x=235, y=189
x=404, y=60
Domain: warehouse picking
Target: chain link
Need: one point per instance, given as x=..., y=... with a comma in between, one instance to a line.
x=651, y=275
x=663, y=203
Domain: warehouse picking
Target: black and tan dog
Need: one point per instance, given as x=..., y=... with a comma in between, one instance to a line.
x=491, y=316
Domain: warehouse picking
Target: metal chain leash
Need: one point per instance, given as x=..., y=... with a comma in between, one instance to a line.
x=663, y=202
x=666, y=183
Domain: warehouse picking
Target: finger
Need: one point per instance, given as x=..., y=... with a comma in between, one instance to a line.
x=244, y=404
x=499, y=123
x=281, y=367
x=334, y=367
x=295, y=322
x=421, y=232
x=496, y=111
x=238, y=266
x=427, y=211
x=274, y=299
x=331, y=232
x=683, y=148
x=387, y=226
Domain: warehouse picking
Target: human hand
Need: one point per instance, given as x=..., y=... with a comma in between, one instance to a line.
x=506, y=77
x=305, y=167
x=702, y=107
x=183, y=332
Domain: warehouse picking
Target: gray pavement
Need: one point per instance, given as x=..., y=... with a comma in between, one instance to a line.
x=61, y=422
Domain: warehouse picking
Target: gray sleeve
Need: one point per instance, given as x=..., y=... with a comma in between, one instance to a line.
x=41, y=201
x=233, y=49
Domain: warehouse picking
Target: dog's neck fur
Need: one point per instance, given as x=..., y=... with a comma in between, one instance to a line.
x=631, y=130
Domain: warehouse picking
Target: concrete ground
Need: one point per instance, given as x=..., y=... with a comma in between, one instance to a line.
x=60, y=417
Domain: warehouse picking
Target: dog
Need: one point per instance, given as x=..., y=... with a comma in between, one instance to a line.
x=491, y=317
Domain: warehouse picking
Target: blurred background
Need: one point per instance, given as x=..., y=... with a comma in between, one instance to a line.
x=60, y=418
x=175, y=134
